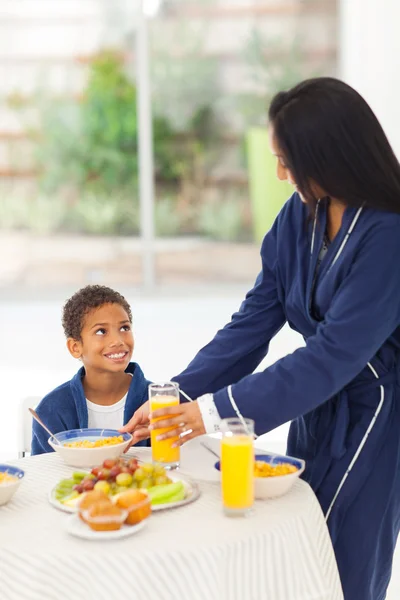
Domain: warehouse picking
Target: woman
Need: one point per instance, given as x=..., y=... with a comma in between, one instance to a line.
x=330, y=269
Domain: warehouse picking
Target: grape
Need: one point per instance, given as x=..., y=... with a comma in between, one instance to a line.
x=125, y=470
x=103, y=474
x=140, y=474
x=124, y=479
x=78, y=488
x=148, y=468
x=109, y=463
x=103, y=486
x=133, y=464
x=161, y=480
x=116, y=470
x=88, y=485
x=146, y=483
x=159, y=470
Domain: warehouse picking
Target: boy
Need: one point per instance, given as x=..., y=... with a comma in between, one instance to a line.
x=108, y=389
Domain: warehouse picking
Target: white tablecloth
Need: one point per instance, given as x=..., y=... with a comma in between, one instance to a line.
x=281, y=552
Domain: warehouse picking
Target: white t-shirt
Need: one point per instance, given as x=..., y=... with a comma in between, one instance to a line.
x=106, y=417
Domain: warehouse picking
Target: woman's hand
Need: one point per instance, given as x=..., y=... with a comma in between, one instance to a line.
x=185, y=419
x=138, y=425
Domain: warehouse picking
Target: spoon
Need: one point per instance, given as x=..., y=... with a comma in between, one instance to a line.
x=39, y=420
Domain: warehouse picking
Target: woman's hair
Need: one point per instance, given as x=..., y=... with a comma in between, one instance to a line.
x=85, y=300
x=328, y=134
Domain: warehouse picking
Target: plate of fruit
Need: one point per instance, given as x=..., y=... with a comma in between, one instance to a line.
x=116, y=476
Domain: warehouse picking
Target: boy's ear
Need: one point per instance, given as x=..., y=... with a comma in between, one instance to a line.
x=74, y=347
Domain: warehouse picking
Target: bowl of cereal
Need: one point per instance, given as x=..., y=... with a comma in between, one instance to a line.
x=274, y=474
x=10, y=479
x=86, y=448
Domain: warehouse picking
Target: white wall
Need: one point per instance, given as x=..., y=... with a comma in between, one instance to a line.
x=370, y=56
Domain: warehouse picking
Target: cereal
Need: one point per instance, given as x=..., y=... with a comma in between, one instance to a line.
x=106, y=441
x=264, y=469
x=6, y=478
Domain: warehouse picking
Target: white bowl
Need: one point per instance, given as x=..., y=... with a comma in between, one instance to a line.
x=273, y=487
x=8, y=489
x=88, y=457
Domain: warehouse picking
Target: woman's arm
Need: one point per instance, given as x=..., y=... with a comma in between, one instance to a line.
x=364, y=313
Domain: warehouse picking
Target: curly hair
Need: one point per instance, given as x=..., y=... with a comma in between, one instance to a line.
x=85, y=300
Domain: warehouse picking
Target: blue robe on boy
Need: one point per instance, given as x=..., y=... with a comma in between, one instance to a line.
x=65, y=407
x=341, y=391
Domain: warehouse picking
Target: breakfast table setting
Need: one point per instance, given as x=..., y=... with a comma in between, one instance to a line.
x=279, y=549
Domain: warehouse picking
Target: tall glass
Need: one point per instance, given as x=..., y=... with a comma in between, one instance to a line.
x=162, y=395
x=237, y=466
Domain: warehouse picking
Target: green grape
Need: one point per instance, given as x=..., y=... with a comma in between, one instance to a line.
x=161, y=480
x=148, y=468
x=159, y=470
x=139, y=474
x=146, y=483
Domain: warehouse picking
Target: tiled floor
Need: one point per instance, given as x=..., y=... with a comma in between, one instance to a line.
x=168, y=331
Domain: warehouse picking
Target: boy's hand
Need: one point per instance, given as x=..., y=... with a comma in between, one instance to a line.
x=138, y=425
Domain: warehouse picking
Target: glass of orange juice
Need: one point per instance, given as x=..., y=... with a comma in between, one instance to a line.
x=237, y=466
x=162, y=395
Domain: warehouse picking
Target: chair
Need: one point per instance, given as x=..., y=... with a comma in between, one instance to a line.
x=25, y=424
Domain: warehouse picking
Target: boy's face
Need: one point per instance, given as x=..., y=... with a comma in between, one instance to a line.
x=106, y=339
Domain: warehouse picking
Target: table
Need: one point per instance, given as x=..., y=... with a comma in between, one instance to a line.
x=281, y=552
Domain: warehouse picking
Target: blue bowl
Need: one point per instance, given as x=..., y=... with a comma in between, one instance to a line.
x=88, y=457
x=14, y=471
x=273, y=487
x=88, y=434
x=8, y=489
x=273, y=459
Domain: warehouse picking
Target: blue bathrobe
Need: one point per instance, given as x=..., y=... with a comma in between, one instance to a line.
x=65, y=407
x=341, y=391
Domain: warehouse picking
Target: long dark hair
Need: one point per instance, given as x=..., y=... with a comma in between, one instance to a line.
x=327, y=133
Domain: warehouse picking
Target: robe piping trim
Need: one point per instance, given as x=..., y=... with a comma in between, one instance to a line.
x=342, y=245
x=237, y=411
x=362, y=443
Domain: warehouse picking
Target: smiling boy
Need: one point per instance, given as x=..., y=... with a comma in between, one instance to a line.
x=107, y=390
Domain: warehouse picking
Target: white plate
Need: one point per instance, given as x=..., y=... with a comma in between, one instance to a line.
x=76, y=527
x=192, y=493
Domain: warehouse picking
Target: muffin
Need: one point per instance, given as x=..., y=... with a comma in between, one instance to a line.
x=104, y=516
x=136, y=503
x=90, y=498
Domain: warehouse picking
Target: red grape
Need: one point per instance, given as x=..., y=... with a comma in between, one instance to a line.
x=88, y=485
x=103, y=474
x=114, y=472
x=109, y=463
x=133, y=464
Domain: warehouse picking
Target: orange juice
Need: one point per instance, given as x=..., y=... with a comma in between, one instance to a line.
x=162, y=452
x=237, y=473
